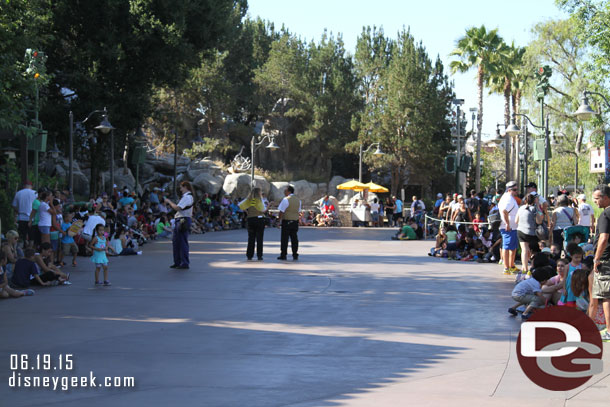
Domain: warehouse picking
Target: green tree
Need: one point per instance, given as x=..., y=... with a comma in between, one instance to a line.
x=114, y=53
x=411, y=110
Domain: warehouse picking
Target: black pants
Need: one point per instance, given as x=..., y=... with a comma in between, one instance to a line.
x=256, y=230
x=45, y=277
x=24, y=230
x=290, y=229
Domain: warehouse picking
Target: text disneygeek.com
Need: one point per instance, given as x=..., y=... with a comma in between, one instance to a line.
x=24, y=368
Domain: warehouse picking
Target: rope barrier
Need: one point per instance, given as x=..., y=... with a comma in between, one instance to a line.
x=448, y=221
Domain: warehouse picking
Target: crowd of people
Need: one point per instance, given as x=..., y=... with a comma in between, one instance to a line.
x=53, y=231
x=563, y=262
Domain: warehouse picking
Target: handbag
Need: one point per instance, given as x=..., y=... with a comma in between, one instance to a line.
x=542, y=232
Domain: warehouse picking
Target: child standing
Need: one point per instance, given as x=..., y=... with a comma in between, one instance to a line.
x=100, y=248
x=529, y=292
x=68, y=246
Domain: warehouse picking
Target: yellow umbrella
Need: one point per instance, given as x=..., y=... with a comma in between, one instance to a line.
x=353, y=185
x=371, y=186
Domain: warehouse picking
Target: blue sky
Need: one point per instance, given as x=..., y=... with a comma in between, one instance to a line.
x=438, y=24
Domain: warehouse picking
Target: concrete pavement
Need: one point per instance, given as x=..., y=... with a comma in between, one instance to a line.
x=359, y=320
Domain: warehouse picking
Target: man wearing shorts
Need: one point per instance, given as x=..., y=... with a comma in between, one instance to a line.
x=601, y=263
x=508, y=228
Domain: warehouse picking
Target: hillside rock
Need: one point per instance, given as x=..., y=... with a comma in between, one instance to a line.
x=209, y=183
x=238, y=185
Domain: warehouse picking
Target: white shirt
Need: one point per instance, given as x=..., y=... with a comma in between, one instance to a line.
x=284, y=205
x=509, y=204
x=422, y=206
x=186, y=200
x=374, y=207
x=92, y=222
x=525, y=287
x=23, y=201
x=45, y=215
x=585, y=211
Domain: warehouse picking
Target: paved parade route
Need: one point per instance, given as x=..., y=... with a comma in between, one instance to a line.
x=359, y=320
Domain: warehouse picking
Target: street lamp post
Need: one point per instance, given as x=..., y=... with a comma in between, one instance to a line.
x=104, y=127
x=362, y=152
x=458, y=161
x=585, y=112
x=473, y=111
x=255, y=144
x=513, y=129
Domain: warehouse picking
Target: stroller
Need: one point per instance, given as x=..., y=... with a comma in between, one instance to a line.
x=578, y=232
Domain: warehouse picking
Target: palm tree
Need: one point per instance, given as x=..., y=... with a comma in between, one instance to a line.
x=478, y=49
x=506, y=81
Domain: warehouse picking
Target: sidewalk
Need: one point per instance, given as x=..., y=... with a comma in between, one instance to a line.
x=359, y=320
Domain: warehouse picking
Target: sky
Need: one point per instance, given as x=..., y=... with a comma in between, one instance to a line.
x=438, y=29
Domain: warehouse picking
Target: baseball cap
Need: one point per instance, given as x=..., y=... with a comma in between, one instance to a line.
x=126, y=190
x=460, y=196
x=439, y=195
x=532, y=185
x=511, y=184
x=582, y=196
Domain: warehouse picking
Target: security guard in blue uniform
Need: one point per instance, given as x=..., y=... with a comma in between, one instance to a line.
x=182, y=225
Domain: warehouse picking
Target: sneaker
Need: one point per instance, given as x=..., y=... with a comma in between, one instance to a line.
x=107, y=283
x=66, y=283
x=514, y=270
x=28, y=292
x=139, y=253
x=281, y=258
x=525, y=317
x=512, y=311
x=606, y=336
x=507, y=271
x=98, y=283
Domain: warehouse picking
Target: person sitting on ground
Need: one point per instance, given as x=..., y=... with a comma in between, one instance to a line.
x=529, y=292
x=576, y=254
x=27, y=272
x=44, y=261
x=5, y=290
x=554, y=288
x=119, y=245
x=164, y=227
x=407, y=232
x=11, y=250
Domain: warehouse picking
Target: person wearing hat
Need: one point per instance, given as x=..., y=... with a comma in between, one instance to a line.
x=587, y=217
x=508, y=208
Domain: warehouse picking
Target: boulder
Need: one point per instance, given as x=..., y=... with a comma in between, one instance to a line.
x=81, y=183
x=165, y=163
x=122, y=178
x=322, y=189
x=277, y=191
x=238, y=185
x=147, y=171
x=332, y=185
x=305, y=190
x=209, y=183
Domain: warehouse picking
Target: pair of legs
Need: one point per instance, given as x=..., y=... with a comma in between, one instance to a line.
x=70, y=249
x=509, y=248
x=289, y=230
x=531, y=301
x=97, y=273
x=256, y=230
x=7, y=292
x=180, y=242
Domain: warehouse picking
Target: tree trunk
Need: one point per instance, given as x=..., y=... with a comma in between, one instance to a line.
x=480, y=84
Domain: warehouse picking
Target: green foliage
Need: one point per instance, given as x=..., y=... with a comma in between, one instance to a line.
x=407, y=108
